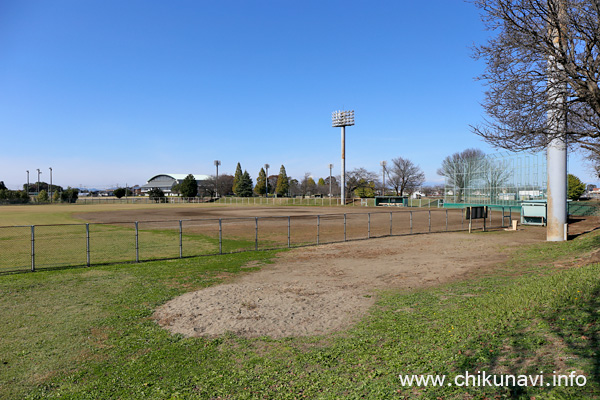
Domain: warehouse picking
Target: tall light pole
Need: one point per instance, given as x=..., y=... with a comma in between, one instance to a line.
x=217, y=163
x=50, y=184
x=38, y=182
x=27, y=182
x=330, y=168
x=557, y=222
x=383, y=164
x=343, y=119
x=267, y=180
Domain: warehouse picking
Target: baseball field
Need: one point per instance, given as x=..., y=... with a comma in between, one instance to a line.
x=341, y=320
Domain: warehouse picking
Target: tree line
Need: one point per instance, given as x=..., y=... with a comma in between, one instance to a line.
x=29, y=193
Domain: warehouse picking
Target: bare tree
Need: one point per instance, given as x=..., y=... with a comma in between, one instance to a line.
x=359, y=178
x=225, y=185
x=543, y=49
x=404, y=176
x=460, y=169
x=308, y=185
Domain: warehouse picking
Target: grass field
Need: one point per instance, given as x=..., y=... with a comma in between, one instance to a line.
x=87, y=333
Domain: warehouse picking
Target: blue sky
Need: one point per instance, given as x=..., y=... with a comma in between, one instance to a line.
x=113, y=92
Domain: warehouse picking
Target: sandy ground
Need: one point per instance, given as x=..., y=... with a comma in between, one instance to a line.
x=319, y=290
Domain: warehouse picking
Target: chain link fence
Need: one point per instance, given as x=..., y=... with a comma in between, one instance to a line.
x=28, y=248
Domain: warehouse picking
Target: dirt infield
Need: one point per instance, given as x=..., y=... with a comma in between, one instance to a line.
x=271, y=227
x=319, y=290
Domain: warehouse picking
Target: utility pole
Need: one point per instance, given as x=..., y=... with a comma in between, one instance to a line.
x=343, y=119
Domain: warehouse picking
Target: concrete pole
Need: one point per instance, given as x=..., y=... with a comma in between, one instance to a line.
x=330, y=167
x=50, y=185
x=343, y=177
x=557, y=150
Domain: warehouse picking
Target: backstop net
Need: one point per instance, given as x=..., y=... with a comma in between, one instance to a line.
x=501, y=179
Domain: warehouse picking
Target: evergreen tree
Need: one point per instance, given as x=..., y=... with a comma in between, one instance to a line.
x=69, y=195
x=237, y=178
x=119, y=192
x=261, y=181
x=283, y=183
x=42, y=197
x=575, y=187
x=189, y=186
x=244, y=188
x=156, y=194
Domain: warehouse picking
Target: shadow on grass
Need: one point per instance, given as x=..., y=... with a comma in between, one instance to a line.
x=558, y=338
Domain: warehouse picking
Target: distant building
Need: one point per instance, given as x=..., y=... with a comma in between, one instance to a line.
x=165, y=182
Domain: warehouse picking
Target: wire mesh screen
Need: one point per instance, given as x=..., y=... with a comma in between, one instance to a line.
x=15, y=248
x=503, y=179
x=112, y=242
x=60, y=245
x=272, y=233
x=200, y=237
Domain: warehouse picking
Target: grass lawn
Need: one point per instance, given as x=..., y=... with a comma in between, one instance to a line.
x=87, y=334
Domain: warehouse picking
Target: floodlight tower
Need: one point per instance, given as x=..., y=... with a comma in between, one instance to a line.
x=50, y=185
x=267, y=180
x=38, y=182
x=343, y=119
x=27, y=182
x=217, y=163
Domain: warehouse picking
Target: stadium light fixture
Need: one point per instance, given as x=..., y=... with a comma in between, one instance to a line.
x=383, y=164
x=343, y=119
x=267, y=180
x=217, y=163
x=38, y=182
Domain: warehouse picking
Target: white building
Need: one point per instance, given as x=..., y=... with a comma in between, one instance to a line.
x=165, y=182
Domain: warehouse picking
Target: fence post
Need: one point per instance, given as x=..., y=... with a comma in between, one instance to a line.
x=137, y=243
x=368, y=225
x=32, y=248
x=180, y=239
x=391, y=224
x=255, y=233
x=411, y=222
x=446, y=220
x=344, y=227
x=318, y=227
x=289, y=226
x=87, y=243
x=429, y=221
x=220, y=236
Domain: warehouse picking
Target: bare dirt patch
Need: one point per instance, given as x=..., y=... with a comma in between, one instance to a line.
x=319, y=290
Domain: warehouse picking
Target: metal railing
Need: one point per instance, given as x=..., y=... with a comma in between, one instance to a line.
x=32, y=247
x=257, y=201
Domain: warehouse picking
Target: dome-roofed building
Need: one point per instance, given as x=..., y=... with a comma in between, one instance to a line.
x=165, y=182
